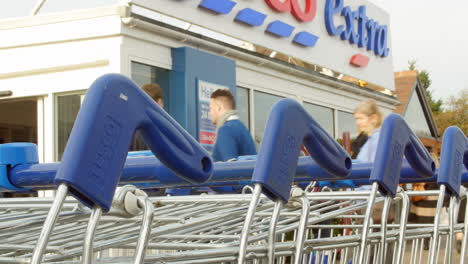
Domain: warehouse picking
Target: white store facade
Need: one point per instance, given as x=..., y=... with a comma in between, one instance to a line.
x=51, y=53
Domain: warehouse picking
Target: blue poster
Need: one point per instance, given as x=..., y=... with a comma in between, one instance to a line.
x=207, y=130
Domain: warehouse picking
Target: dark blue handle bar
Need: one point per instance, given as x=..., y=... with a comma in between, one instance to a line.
x=288, y=127
x=113, y=109
x=11, y=155
x=397, y=139
x=151, y=172
x=453, y=156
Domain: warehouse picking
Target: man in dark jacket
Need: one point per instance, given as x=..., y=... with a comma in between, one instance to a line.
x=233, y=138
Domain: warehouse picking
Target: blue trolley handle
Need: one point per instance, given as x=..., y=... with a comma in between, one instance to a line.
x=454, y=157
x=288, y=127
x=396, y=140
x=113, y=109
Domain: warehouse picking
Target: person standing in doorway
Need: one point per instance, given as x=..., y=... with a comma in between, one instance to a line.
x=232, y=138
x=156, y=93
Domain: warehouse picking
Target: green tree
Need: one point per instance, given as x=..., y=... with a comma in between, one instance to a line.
x=412, y=65
x=425, y=79
x=456, y=113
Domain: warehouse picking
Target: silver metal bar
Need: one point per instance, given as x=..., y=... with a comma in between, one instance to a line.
x=90, y=232
x=403, y=220
x=365, y=229
x=413, y=251
x=272, y=231
x=383, y=229
x=145, y=232
x=49, y=223
x=301, y=231
x=248, y=222
x=421, y=250
x=465, y=230
x=438, y=248
x=435, y=235
x=451, y=236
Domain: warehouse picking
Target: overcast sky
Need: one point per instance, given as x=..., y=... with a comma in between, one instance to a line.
x=435, y=33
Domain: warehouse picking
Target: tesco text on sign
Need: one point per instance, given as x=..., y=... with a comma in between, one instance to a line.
x=293, y=6
x=368, y=33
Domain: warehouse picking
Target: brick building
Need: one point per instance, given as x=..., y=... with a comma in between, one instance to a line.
x=416, y=109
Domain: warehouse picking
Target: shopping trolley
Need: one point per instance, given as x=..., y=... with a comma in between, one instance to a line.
x=283, y=242
x=105, y=125
x=276, y=223
x=97, y=149
x=452, y=163
x=451, y=172
x=365, y=244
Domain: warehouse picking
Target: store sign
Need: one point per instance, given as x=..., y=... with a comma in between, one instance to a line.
x=368, y=33
x=348, y=36
x=305, y=14
x=207, y=130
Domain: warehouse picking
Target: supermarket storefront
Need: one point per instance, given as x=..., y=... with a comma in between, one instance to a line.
x=328, y=55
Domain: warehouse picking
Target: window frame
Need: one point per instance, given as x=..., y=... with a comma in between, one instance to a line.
x=268, y=92
x=334, y=114
x=249, y=105
x=82, y=94
x=337, y=128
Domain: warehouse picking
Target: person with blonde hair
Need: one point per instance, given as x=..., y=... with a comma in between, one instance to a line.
x=363, y=148
x=368, y=121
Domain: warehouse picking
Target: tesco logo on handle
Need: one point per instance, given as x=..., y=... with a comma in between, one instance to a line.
x=292, y=6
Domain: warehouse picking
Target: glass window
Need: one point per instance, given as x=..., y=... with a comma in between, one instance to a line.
x=51, y=6
x=17, y=8
x=346, y=123
x=143, y=74
x=263, y=103
x=18, y=121
x=242, y=105
x=414, y=116
x=323, y=116
x=67, y=108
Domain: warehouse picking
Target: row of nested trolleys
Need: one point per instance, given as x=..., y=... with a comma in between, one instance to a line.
x=271, y=221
